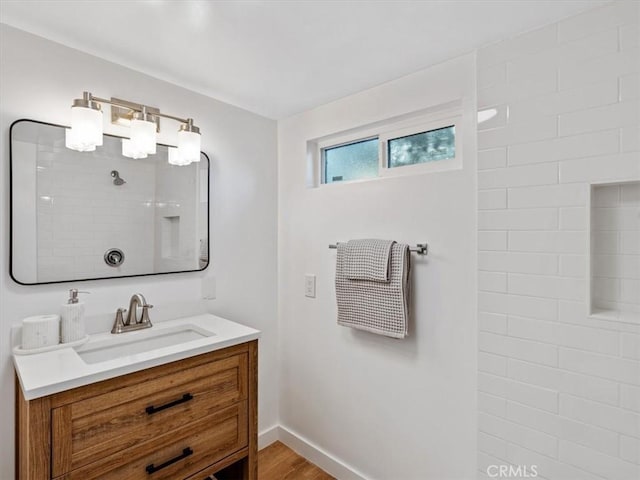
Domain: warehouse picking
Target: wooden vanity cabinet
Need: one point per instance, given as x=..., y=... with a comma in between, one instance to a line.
x=182, y=420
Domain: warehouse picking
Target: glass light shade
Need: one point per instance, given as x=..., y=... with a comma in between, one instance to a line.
x=143, y=135
x=129, y=149
x=86, y=124
x=175, y=158
x=189, y=145
x=71, y=141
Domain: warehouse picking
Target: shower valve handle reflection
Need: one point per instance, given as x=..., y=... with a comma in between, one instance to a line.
x=116, y=178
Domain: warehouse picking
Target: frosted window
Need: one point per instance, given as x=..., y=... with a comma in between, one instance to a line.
x=353, y=161
x=424, y=147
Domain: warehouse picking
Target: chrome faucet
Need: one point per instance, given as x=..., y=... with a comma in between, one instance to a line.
x=132, y=322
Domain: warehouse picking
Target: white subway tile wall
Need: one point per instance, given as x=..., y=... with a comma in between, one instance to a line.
x=559, y=388
x=82, y=214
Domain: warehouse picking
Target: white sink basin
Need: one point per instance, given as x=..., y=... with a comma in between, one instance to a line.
x=132, y=343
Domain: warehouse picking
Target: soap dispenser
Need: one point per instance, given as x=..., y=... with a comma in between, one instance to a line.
x=72, y=318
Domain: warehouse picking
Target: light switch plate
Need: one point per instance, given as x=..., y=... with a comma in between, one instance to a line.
x=310, y=285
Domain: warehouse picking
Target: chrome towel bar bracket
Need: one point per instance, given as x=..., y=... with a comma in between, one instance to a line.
x=420, y=248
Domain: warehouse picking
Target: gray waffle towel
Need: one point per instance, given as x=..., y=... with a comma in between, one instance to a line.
x=374, y=306
x=368, y=259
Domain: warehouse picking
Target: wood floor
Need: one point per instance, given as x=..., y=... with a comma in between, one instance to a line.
x=279, y=462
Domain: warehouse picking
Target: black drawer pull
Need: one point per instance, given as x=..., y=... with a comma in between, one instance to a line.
x=185, y=398
x=185, y=453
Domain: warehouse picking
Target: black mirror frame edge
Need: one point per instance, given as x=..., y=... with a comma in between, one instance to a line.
x=96, y=278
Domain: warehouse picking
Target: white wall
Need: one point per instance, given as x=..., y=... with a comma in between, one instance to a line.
x=38, y=80
x=387, y=408
x=557, y=389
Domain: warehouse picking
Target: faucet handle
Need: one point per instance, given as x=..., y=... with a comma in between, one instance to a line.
x=118, y=324
x=145, y=314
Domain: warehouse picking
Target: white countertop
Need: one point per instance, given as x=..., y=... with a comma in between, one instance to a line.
x=51, y=372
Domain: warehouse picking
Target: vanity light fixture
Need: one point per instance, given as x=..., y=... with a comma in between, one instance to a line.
x=85, y=133
x=175, y=158
x=143, y=132
x=131, y=150
x=86, y=122
x=72, y=141
x=189, y=142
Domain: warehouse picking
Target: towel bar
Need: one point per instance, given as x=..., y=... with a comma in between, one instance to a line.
x=420, y=248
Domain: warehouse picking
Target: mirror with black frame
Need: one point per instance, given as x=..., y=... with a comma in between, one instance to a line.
x=96, y=215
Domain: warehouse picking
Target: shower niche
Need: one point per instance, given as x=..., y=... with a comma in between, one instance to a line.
x=615, y=251
x=70, y=209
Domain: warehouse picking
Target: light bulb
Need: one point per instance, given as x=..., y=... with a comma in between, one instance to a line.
x=129, y=149
x=71, y=141
x=143, y=133
x=86, y=123
x=175, y=158
x=189, y=142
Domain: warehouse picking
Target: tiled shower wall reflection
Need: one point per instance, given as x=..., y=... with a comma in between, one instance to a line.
x=82, y=214
x=558, y=387
x=181, y=212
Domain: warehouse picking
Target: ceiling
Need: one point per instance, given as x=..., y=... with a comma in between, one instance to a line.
x=278, y=58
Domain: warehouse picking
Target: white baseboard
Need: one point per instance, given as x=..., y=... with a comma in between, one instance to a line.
x=267, y=437
x=311, y=452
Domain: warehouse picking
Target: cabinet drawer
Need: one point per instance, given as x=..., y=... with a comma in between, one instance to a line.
x=174, y=455
x=123, y=419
